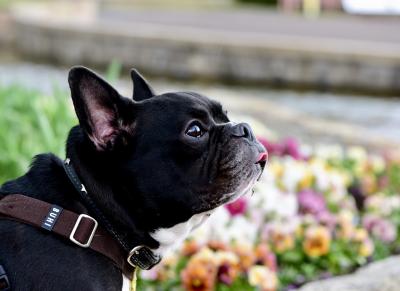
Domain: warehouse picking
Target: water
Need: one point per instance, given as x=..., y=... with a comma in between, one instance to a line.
x=373, y=117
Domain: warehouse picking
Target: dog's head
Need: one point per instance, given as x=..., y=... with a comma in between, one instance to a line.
x=164, y=157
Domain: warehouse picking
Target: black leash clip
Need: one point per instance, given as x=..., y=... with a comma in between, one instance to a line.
x=4, y=283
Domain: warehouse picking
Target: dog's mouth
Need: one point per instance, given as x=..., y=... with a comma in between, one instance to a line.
x=262, y=161
x=247, y=186
x=237, y=176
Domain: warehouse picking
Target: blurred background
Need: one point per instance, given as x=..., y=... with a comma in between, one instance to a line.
x=300, y=67
x=317, y=79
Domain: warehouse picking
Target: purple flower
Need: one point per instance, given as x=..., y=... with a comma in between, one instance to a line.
x=326, y=218
x=311, y=202
x=224, y=274
x=381, y=228
x=237, y=207
x=369, y=220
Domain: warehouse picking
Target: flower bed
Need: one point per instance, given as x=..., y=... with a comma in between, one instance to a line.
x=312, y=216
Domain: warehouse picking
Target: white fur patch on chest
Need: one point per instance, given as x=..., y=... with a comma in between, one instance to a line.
x=175, y=235
x=126, y=283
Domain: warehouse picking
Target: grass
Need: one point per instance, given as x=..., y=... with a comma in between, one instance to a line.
x=31, y=123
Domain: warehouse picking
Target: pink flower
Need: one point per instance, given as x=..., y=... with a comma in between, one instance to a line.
x=288, y=146
x=326, y=218
x=369, y=221
x=311, y=202
x=381, y=228
x=237, y=207
x=272, y=148
x=291, y=148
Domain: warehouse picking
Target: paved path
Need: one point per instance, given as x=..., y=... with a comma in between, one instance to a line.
x=266, y=22
x=338, y=119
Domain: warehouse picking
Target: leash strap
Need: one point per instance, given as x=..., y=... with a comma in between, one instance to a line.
x=5, y=284
x=140, y=256
x=80, y=188
x=80, y=229
x=134, y=281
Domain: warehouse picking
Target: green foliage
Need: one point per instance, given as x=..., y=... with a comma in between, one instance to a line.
x=394, y=178
x=114, y=71
x=31, y=123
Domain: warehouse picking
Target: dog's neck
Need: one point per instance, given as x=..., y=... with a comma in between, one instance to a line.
x=104, y=191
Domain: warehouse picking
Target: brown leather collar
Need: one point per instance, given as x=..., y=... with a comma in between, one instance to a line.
x=80, y=229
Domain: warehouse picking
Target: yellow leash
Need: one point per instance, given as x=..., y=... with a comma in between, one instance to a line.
x=134, y=280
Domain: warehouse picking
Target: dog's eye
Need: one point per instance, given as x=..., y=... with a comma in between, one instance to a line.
x=195, y=130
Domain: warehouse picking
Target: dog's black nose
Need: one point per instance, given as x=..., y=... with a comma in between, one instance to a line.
x=243, y=130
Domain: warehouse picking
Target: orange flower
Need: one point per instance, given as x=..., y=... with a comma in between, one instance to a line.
x=199, y=276
x=190, y=247
x=228, y=267
x=317, y=241
x=282, y=241
x=245, y=254
x=216, y=245
x=369, y=184
x=265, y=256
x=200, y=272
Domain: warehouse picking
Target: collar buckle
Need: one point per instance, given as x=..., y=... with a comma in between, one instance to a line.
x=78, y=225
x=142, y=257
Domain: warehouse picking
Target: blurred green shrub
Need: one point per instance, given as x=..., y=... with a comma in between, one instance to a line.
x=263, y=2
x=31, y=123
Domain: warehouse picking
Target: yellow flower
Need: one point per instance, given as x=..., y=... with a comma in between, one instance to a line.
x=366, y=248
x=378, y=163
x=345, y=223
x=204, y=255
x=276, y=169
x=346, y=216
x=317, y=241
x=222, y=257
x=360, y=235
x=345, y=231
x=307, y=181
x=263, y=278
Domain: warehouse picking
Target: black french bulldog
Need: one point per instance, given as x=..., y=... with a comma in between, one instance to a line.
x=156, y=165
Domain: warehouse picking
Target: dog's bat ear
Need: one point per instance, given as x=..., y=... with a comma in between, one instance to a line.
x=141, y=88
x=100, y=108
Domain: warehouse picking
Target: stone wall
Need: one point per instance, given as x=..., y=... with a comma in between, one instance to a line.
x=187, y=53
x=380, y=276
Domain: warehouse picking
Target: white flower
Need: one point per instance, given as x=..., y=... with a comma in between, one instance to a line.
x=242, y=230
x=321, y=175
x=357, y=153
x=329, y=152
x=293, y=173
